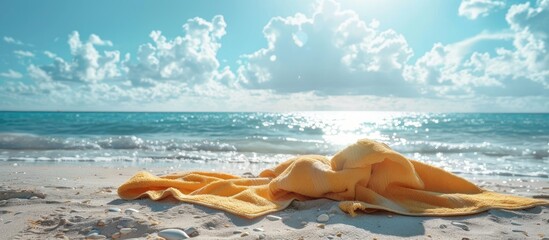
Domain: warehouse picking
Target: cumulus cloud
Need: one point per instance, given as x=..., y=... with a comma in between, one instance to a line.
x=21, y=53
x=87, y=64
x=190, y=59
x=519, y=70
x=185, y=66
x=472, y=9
x=331, y=52
x=11, y=74
x=330, y=59
x=12, y=40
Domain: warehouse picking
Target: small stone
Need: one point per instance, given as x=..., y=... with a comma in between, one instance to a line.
x=335, y=210
x=237, y=232
x=322, y=225
x=126, y=222
x=211, y=228
x=520, y=231
x=516, y=223
x=114, y=210
x=33, y=198
x=100, y=223
x=461, y=225
x=130, y=211
x=116, y=235
x=442, y=226
x=259, y=229
x=95, y=236
x=261, y=236
x=59, y=235
x=389, y=216
x=124, y=231
x=180, y=211
x=338, y=234
x=3, y=202
x=192, y=232
x=273, y=217
x=244, y=234
x=303, y=223
x=323, y=218
x=173, y=234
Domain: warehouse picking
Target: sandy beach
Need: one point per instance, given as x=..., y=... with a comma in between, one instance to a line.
x=79, y=201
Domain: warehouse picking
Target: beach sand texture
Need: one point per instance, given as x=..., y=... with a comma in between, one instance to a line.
x=78, y=201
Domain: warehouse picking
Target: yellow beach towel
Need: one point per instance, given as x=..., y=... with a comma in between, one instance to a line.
x=366, y=175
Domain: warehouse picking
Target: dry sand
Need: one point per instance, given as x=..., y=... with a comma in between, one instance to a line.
x=72, y=201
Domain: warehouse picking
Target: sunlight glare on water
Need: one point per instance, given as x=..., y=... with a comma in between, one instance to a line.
x=344, y=128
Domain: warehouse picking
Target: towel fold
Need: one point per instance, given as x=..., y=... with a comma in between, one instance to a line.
x=367, y=175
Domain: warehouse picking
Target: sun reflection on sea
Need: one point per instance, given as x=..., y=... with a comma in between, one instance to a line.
x=342, y=128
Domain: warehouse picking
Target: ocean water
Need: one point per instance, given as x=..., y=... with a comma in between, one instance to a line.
x=492, y=145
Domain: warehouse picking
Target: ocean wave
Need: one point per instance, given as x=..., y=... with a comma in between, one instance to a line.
x=11, y=141
x=264, y=145
x=484, y=148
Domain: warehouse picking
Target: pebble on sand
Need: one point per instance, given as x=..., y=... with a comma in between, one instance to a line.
x=335, y=210
x=130, y=211
x=461, y=225
x=323, y=218
x=114, y=210
x=173, y=234
x=126, y=230
x=100, y=223
x=273, y=217
x=95, y=236
x=192, y=232
x=116, y=235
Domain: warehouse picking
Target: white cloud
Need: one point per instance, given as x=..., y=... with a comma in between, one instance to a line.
x=520, y=70
x=167, y=69
x=11, y=74
x=472, y=9
x=21, y=53
x=87, y=64
x=190, y=59
x=329, y=60
x=12, y=40
x=331, y=52
x=50, y=54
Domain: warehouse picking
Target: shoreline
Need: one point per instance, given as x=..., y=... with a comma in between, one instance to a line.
x=72, y=201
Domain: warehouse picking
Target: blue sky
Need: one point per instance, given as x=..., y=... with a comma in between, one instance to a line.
x=396, y=55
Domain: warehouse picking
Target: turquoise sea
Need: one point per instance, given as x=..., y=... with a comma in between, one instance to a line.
x=492, y=145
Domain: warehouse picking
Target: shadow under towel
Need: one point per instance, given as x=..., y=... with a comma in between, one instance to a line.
x=367, y=175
